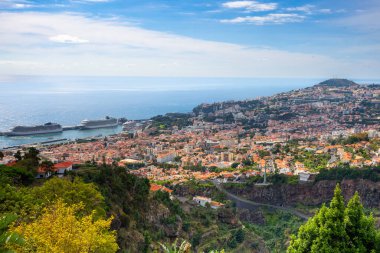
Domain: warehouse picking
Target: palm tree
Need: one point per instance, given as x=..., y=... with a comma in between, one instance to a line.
x=184, y=247
x=7, y=237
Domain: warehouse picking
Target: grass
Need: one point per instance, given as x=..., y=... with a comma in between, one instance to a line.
x=277, y=229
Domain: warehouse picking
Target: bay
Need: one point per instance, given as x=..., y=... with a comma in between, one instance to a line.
x=32, y=100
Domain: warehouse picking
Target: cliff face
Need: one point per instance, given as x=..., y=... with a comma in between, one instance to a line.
x=312, y=194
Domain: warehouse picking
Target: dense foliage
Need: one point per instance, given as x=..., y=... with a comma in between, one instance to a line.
x=8, y=237
x=276, y=229
x=341, y=173
x=338, y=228
x=29, y=201
x=171, y=119
x=59, y=215
x=311, y=160
x=59, y=229
x=355, y=138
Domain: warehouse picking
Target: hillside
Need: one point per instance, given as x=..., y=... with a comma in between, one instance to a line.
x=337, y=83
x=335, y=104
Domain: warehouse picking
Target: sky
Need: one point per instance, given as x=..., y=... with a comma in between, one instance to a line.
x=191, y=38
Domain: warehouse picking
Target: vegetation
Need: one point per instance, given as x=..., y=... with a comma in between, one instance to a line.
x=338, y=228
x=171, y=119
x=91, y=200
x=7, y=237
x=276, y=229
x=59, y=229
x=16, y=175
x=312, y=161
x=184, y=247
x=57, y=216
x=352, y=139
x=28, y=202
x=341, y=173
x=203, y=188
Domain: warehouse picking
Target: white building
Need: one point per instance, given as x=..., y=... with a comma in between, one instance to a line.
x=202, y=201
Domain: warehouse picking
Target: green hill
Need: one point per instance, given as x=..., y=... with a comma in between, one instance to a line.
x=337, y=83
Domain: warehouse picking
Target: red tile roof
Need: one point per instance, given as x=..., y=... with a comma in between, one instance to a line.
x=156, y=187
x=62, y=165
x=10, y=164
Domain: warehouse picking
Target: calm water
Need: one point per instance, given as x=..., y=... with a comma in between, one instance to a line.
x=37, y=100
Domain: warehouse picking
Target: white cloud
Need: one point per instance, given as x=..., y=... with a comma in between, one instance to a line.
x=312, y=9
x=250, y=5
x=15, y=4
x=69, y=39
x=308, y=8
x=326, y=11
x=121, y=49
x=273, y=18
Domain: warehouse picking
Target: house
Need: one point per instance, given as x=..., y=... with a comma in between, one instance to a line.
x=202, y=201
x=216, y=205
x=156, y=187
x=306, y=177
x=11, y=163
x=61, y=168
x=43, y=173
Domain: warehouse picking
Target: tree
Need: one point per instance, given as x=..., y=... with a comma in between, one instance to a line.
x=359, y=227
x=60, y=230
x=16, y=175
x=32, y=154
x=18, y=156
x=239, y=236
x=247, y=162
x=47, y=165
x=7, y=237
x=337, y=228
x=232, y=242
x=71, y=193
x=235, y=165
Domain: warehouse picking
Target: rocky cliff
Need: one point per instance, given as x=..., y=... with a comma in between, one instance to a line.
x=311, y=194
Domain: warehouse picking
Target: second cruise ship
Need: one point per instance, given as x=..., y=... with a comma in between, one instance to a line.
x=100, y=123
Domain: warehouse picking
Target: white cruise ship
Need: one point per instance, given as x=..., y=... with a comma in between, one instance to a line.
x=101, y=123
x=47, y=128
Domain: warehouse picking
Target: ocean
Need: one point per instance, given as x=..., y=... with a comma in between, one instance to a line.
x=30, y=100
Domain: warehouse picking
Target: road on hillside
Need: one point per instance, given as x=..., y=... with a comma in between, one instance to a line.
x=245, y=203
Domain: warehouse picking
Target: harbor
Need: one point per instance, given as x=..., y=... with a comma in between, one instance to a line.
x=51, y=133
x=68, y=134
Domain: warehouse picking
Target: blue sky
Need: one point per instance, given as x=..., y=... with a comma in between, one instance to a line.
x=194, y=38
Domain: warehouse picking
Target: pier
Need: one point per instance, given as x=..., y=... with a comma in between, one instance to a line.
x=71, y=128
x=52, y=141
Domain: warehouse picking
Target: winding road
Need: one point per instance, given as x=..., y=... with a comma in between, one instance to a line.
x=241, y=202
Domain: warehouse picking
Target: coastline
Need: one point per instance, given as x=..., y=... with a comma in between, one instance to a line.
x=50, y=139
x=71, y=132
